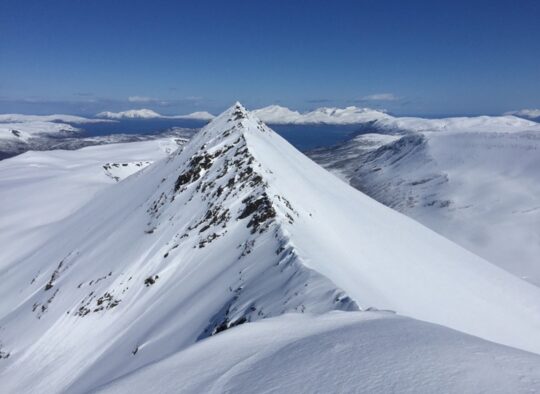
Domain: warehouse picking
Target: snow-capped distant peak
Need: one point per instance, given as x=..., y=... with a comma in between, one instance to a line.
x=22, y=118
x=275, y=114
x=23, y=131
x=199, y=115
x=150, y=114
x=143, y=113
x=380, y=120
x=526, y=113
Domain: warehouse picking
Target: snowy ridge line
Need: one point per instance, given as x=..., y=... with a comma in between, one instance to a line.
x=266, y=213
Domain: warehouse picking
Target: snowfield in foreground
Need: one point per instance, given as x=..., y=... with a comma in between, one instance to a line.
x=360, y=352
x=235, y=228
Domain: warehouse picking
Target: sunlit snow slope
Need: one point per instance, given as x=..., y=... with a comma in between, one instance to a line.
x=479, y=188
x=362, y=352
x=236, y=227
x=40, y=189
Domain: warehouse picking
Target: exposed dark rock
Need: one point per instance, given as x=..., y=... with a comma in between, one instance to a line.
x=197, y=164
x=151, y=280
x=262, y=210
x=225, y=325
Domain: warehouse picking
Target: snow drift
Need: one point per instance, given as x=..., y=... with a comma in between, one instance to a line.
x=363, y=352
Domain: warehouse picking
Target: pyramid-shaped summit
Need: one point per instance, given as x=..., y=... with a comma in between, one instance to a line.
x=236, y=227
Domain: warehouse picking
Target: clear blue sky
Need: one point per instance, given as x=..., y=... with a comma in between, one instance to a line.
x=411, y=57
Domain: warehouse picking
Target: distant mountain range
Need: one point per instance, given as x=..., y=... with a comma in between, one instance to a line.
x=526, y=113
x=150, y=114
x=276, y=114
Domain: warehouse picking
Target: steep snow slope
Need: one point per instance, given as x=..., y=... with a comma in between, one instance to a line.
x=39, y=189
x=362, y=352
x=480, y=189
x=236, y=227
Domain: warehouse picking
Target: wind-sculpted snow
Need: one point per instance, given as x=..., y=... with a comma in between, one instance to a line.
x=235, y=227
x=363, y=352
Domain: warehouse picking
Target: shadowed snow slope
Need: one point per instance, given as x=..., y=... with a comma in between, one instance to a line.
x=236, y=227
x=361, y=352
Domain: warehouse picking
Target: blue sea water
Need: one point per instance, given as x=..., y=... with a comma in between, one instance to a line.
x=136, y=126
x=303, y=137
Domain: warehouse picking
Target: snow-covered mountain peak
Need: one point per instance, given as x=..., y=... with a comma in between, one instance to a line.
x=143, y=113
x=235, y=227
x=234, y=120
x=183, y=249
x=275, y=114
